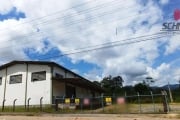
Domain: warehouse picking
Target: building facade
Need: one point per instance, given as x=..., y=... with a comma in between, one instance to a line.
x=23, y=80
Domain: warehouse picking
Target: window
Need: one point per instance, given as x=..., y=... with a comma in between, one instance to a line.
x=0, y=80
x=58, y=75
x=38, y=76
x=15, y=79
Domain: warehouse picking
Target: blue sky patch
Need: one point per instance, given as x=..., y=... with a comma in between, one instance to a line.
x=12, y=14
x=55, y=54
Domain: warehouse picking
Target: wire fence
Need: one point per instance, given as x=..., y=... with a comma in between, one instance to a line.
x=152, y=103
x=138, y=103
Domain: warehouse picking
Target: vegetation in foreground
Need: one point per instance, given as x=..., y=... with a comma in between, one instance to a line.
x=110, y=109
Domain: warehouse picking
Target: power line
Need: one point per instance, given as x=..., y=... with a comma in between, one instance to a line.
x=86, y=10
x=76, y=6
x=61, y=11
x=99, y=48
x=69, y=24
x=27, y=36
x=63, y=17
x=116, y=42
x=124, y=40
x=102, y=47
x=34, y=33
x=39, y=18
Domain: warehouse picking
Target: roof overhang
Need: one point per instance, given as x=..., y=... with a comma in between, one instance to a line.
x=81, y=83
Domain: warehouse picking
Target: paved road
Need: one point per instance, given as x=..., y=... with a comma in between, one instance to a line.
x=94, y=117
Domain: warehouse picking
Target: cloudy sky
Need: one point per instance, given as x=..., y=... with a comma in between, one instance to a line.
x=59, y=30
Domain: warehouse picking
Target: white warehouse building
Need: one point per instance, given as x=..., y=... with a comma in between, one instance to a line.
x=22, y=80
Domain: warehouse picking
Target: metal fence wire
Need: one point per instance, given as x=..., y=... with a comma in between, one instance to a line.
x=152, y=103
x=138, y=103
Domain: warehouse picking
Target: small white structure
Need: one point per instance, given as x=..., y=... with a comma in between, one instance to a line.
x=22, y=80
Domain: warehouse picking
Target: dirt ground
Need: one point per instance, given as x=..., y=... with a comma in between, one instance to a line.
x=95, y=117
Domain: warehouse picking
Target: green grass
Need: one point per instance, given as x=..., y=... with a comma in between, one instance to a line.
x=112, y=109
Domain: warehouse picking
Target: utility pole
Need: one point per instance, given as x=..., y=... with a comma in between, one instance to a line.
x=170, y=93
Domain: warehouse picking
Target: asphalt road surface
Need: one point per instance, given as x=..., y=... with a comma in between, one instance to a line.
x=94, y=117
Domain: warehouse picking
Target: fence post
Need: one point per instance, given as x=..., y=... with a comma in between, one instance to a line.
x=63, y=102
x=139, y=101
x=28, y=104
x=102, y=101
x=81, y=101
x=56, y=104
x=14, y=104
x=41, y=104
x=90, y=100
x=166, y=100
x=152, y=96
x=125, y=96
x=3, y=105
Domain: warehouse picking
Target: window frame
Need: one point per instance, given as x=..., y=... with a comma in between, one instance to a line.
x=35, y=73
x=10, y=79
x=58, y=75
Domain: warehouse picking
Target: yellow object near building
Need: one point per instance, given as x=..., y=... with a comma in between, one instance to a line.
x=108, y=100
x=67, y=101
x=77, y=101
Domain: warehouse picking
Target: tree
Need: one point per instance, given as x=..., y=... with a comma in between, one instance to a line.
x=112, y=84
x=107, y=82
x=141, y=88
x=117, y=81
x=97, y=83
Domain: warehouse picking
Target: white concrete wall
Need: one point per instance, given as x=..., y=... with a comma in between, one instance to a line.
x=15, y=91
x=35, y=90
x=70, y=75
x=2, y=74
x=62, y=72
x=59, y=71
x=38, y=89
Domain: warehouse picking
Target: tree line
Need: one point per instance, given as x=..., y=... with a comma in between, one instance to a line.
x=114, y=85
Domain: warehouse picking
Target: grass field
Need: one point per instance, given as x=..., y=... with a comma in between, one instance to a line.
x=112, y=112
x=111, y=109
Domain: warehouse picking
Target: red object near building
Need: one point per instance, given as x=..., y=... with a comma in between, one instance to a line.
x=177, y=14
x=121, y=100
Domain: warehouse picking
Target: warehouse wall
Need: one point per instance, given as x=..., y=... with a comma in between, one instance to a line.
x=62, y=72
x=17, y=90
x=3, y=75
x=35, y=90
x=38, y=89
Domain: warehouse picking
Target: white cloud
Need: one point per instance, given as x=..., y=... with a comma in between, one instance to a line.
x=5, y=6
x=90, y=27
x=173, y=45
x=94, y=74
x=163, y=2
x=164, y=73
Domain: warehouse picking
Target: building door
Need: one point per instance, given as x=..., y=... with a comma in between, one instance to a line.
x=70, y=91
